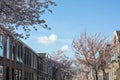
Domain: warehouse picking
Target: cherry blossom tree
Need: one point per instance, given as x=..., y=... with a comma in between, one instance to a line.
x=82, y=71
x=65, y=63
x=92, y=51
x=23, y=15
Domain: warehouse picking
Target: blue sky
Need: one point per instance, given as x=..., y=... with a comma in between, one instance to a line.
x=72, y=17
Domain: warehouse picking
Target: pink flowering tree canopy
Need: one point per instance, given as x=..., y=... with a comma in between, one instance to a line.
x=23, y=14
x=92, y=51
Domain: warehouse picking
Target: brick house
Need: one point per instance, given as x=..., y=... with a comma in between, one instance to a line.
x=112, y=67
x=49, y=69
x=19, y=62
x=113, y=63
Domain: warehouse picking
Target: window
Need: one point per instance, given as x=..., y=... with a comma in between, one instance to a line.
x=13, y=52
x=1, y=45
x=1, y=72
x=13, y=72
x=8, y=47
x=25, y=56
x=32, y=60
x=18, y=53
x=7, y=73
x=35, y=76
x=17, y=75
x=21, y=54
x=20, y=74
x=114, y=56
x=35, y=62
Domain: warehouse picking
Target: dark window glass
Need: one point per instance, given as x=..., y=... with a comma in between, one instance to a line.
x=1, y=72
x=1, y=45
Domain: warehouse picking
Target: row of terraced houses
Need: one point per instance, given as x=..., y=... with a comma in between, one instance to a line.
x=112, y=67
x=20, y=62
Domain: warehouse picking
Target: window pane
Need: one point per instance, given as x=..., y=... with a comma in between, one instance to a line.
x=1, y=72
x=21, y=54
x=17, y=76
x=8, y=46
x=13, y=52
x=18, y=53
x=1, y=45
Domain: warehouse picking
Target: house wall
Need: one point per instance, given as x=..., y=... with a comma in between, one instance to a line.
x=113, y=66
x=19, y=62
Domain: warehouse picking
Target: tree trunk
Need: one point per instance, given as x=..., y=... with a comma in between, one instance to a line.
x=96, y=75
x=104, y=74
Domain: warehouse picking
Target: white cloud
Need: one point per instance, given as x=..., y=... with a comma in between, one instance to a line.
x=53, y=37
x=47, y=39
x=65, y=48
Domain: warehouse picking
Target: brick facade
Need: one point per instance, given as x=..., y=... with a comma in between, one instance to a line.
x=19, y=62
